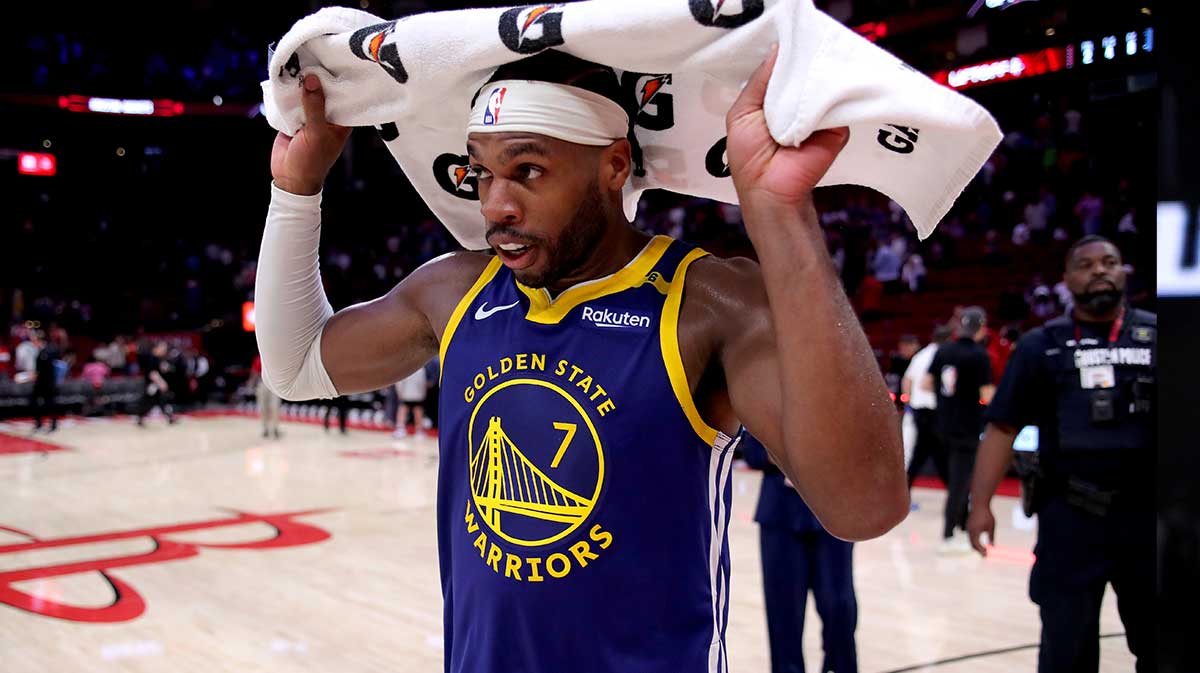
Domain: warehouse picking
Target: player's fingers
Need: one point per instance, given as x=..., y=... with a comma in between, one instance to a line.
x=977, y=542
x=313, y=100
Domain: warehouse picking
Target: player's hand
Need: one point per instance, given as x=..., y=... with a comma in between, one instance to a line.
x=299, y=164
x=764, y=172
x=979, y=522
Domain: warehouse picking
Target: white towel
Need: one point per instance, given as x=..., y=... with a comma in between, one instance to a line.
x=685, y=61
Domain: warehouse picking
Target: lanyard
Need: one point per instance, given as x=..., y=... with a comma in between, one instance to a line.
x=1113, y=334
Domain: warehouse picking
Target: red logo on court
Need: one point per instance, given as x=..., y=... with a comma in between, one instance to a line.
x=14, y=444
x=127, y=604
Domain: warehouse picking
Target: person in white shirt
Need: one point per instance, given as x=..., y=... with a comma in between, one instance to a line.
x=27, y=352
x=887, y=267
x=923, y=403
x=913, y=273
x=411, y=392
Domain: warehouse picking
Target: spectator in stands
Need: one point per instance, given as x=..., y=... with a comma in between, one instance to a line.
x=1090, y=209
x=115, y=355
x=912, y=274
x=1021, y=235
x=1037, y=215
x=886, y=267
x=6, y=363
x=95, y=371
x=1065, y=299
x=1042, y=304
x=870, y=297
x=992, y=254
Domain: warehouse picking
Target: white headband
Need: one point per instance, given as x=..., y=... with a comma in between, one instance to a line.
x=556, y=110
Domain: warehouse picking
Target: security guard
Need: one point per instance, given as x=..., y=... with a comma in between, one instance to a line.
x=798, y=556
x=1088, y=382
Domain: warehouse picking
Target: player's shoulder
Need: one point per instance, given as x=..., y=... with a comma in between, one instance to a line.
x=725, y=285
x=457, y=265
x=437, y=285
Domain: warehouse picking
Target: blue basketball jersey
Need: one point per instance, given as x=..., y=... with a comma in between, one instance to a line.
x=582, y=501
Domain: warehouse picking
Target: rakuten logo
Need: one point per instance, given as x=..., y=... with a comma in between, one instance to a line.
x=611, y=319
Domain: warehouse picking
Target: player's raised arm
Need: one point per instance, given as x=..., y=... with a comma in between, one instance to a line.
x=801, y=375
x=308, y=351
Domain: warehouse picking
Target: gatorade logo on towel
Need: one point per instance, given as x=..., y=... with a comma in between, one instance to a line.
x=725, y=13
x=528, y=30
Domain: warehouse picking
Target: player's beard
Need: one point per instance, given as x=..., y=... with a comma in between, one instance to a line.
x=577, y=242
x=1099, y=302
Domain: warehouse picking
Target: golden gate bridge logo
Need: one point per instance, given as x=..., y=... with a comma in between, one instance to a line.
x=504, y=480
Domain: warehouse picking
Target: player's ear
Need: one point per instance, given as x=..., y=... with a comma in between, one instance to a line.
x=616, y=162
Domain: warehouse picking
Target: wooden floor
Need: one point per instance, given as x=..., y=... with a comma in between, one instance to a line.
x=151, y=550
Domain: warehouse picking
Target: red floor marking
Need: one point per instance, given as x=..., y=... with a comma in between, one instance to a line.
x=1009, y=486
x=127, y=603
x=1014, y=555
x=10, y=444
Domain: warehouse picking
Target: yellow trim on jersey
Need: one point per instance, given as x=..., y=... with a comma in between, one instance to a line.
x=489, y=272
x=548, y=312
x=669, y=337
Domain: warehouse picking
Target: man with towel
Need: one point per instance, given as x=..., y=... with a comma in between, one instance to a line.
x=593, y=376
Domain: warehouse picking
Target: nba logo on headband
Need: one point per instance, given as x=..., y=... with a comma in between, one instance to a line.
x=491, y=114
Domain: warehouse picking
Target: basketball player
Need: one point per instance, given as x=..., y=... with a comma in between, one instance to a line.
x=592, y=376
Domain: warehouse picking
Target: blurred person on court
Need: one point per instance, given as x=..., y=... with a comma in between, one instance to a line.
x=339, y=405
x=43, y=400
x=268, y=401
x=798, y=557
x=156, y=370
x=1088, y=382
x=410, y=393
x=922, y=404
x=530, y=381
x=960, y=374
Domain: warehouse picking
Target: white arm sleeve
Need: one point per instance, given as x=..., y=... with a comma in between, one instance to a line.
x=290, y=307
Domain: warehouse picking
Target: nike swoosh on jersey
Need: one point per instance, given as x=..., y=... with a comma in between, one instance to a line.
x=484, y=312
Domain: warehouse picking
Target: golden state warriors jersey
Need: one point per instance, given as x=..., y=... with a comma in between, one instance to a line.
x=582, y=501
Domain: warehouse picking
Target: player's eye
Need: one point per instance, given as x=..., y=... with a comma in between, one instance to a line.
x=529, y=171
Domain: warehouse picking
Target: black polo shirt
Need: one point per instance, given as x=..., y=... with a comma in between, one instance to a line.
x=1042, y=381
x=959, y=370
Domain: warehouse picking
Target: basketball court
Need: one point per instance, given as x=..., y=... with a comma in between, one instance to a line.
x=203, y=547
